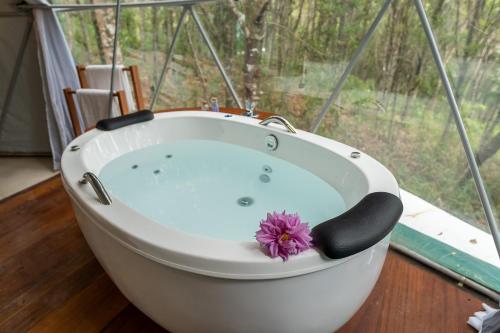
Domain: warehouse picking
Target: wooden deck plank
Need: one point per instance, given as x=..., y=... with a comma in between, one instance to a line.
x=131, y=320
x=27, y=197
x=27, y=231
x=51, y=282
x=96, y=306
x=411, y=298
x=45, y=298
x=40, y=262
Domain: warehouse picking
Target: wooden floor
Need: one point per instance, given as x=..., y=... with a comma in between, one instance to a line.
x=51, y=282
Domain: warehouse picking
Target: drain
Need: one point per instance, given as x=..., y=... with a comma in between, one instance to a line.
x=271, y=142
x=168, y=156
x=135, y=166
x=267, y=169
x=156, y=172
x=264, y=178
x=245, y=201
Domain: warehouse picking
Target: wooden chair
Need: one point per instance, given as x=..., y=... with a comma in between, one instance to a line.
x=70, y=101
x=134, y=76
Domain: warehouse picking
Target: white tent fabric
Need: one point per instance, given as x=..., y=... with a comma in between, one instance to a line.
x=23, y=125
x=57, y=72
x=36, y=119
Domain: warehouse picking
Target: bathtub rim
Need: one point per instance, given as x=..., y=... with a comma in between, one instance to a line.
x=226, y=259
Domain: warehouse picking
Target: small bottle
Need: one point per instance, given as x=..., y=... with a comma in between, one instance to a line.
x=214, y=104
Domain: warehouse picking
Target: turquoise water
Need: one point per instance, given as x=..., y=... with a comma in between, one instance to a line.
x=194, y=186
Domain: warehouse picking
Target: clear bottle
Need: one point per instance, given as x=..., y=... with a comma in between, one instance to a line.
x=214, y=104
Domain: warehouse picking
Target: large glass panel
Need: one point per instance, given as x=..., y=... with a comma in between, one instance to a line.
x=286, y=57
x=394, y=105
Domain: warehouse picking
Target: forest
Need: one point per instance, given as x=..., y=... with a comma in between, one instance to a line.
x=287, y=55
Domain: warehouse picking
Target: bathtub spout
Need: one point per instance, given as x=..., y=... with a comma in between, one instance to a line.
x=279, y=120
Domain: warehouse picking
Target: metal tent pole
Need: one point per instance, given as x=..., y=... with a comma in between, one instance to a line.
x=17, y=69
x=168, y=59
x=216, y=58
x=91, y=6
x=350, y=66
x=474, y=169
x=115, y=43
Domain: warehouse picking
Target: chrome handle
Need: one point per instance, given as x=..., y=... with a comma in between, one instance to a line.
x=102, y=194
x=279, y=120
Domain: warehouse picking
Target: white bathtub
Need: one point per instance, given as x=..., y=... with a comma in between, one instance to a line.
x=189, y=283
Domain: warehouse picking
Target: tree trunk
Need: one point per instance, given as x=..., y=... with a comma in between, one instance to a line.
x=464, y=69
x=98, y=37
x=105, y=29
x=253, y=22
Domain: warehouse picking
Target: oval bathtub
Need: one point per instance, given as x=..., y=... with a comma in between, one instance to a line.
x=188, y=190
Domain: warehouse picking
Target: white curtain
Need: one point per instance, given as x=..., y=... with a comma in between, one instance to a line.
x=58, y=72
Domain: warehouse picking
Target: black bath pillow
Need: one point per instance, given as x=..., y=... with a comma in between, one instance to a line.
x=122, y=121
x=360, y=227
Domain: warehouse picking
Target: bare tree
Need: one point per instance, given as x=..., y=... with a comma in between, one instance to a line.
x=253, y=22
x=104, y=25
x=464, y=69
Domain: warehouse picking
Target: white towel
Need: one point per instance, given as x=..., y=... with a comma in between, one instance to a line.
x=487, y=321
x=98, y=77
x=94, y=104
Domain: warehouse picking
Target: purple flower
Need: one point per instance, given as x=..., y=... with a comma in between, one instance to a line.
x=283, y=234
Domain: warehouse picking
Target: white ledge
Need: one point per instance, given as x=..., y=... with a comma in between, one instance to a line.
x=434, y=222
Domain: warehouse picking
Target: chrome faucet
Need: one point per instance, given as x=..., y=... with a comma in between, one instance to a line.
x=249, y=109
